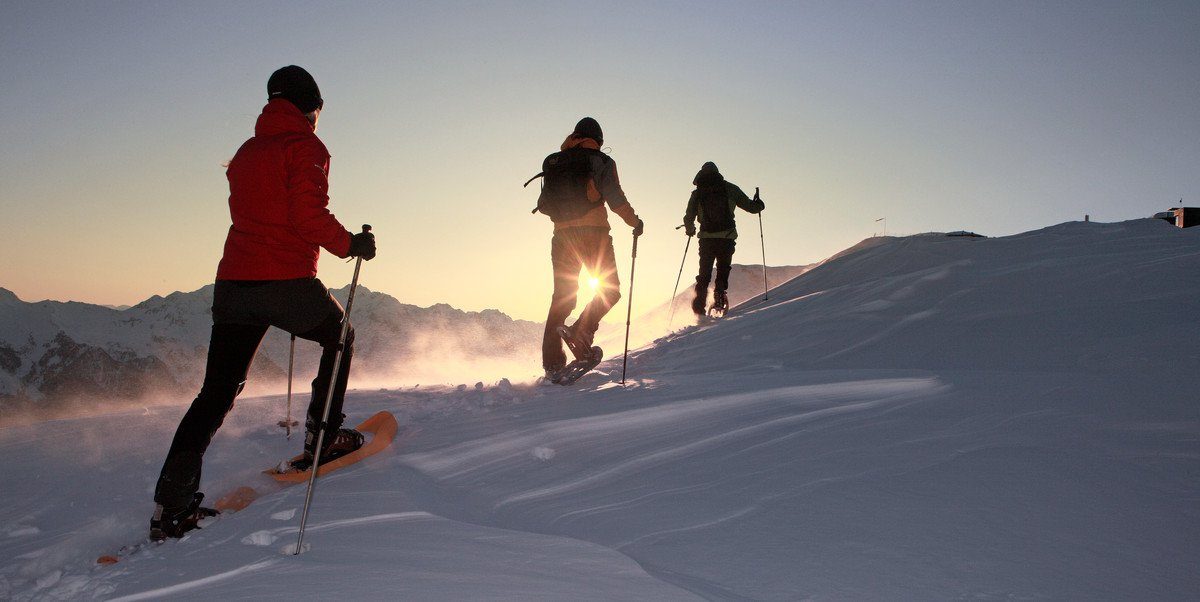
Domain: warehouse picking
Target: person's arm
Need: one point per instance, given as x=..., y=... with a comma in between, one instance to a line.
x=689, y=216
x=610, y=190
x=308, y=199
x=744, y=202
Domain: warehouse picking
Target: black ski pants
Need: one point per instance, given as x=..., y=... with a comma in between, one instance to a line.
x=719, y=251
x=572, y=249
x=242, y=312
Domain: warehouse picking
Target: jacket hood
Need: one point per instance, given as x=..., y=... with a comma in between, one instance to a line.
x=279, y=117
x=573, y=141
x=708, y=175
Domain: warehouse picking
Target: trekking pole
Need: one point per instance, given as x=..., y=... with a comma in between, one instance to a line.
x=764, y=247
x=629, y=311
x=333, y=375
x=287, y=422
x=671, y=316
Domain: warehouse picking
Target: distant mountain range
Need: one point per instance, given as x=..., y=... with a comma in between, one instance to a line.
x=59, y=355
x=64, y=356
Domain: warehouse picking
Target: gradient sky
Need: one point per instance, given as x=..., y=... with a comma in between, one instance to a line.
x=996, y=117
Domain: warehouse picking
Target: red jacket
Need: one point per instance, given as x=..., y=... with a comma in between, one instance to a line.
x=278, y=198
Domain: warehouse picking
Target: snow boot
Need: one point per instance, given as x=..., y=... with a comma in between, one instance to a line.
x=699, y=301
x=580, y=347
x=720, y=302
x=174, y=522
x=336, y=445
x=548, y=378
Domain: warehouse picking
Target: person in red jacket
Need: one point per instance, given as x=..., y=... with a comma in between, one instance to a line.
x=267, y=276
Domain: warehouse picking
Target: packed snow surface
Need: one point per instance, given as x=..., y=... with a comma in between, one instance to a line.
x=916, y=418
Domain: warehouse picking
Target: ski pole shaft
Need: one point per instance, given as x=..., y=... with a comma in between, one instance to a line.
x=675, y=291
x=764, y=247
x=291, y=366
x=629, y=310
x=333, y=376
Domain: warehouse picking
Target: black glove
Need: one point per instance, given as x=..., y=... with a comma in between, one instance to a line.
x=689, y=229
x=638, y=229
x=363, y=245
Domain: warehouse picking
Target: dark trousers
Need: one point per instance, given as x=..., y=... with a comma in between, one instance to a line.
x=242, y=312
x=570, y=250
x=719, y=251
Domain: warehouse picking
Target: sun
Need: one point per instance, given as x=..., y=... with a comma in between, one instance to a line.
x=588, y=284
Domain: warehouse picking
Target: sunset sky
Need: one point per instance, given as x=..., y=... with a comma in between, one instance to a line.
x=996, y=117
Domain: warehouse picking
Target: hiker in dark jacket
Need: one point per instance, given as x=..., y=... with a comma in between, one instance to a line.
x=713, y=202
x=278, y=206
x=584, y=241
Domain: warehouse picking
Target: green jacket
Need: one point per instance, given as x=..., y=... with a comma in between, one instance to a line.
x=737, y=198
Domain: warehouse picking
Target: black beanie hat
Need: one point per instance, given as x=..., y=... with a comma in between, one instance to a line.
x=294, y=84
x=708, y=173
x=589, y=128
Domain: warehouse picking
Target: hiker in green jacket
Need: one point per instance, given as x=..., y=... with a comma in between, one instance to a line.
x=712, y=202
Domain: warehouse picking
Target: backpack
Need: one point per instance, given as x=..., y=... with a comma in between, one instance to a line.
x=716, y=212
x=565, y=176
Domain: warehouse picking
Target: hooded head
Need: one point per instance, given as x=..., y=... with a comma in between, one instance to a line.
x=589, y=128
x=295, y=85
x=708, y=174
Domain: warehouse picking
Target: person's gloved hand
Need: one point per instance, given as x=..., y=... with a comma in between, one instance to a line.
x=689, y=229
x=363, y=245
x=639, y=228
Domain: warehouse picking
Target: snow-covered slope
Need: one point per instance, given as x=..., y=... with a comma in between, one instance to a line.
x=918, y=418
x=55, y=354
x=745, y=283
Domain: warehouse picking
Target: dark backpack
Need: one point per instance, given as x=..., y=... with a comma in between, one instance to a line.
x=565, y=176
x=716, y=212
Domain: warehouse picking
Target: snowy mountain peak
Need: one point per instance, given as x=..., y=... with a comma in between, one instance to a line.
x=8, y=298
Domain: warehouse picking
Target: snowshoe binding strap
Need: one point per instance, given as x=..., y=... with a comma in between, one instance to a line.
x=175, y=522
x=344, y=441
